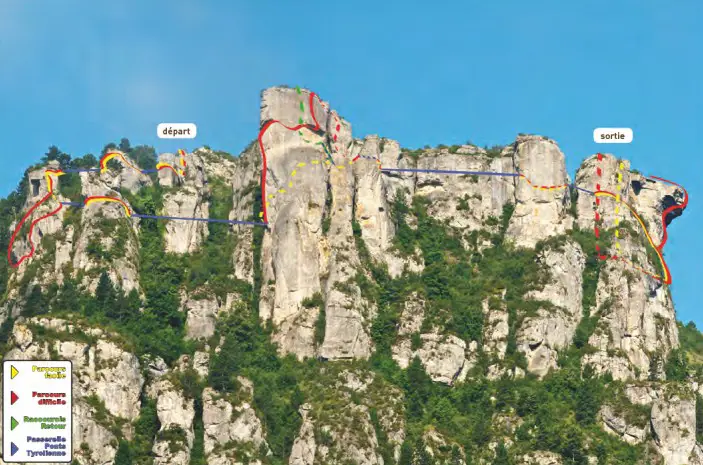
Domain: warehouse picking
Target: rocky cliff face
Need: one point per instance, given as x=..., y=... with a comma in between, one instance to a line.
x=331, y=277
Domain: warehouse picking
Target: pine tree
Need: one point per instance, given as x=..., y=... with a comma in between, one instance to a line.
x=123, y=455
x=125, y=145
x=406, y=454
x=502, y=457
x=105, y=294
x=35, y=302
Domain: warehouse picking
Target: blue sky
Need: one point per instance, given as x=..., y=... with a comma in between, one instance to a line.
x=80, y=74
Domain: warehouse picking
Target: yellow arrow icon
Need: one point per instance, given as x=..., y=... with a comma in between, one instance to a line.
x=13, y=372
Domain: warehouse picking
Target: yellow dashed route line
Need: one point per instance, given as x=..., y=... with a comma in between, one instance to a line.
x=295, y=171
x=644, y=228
x=618, y=188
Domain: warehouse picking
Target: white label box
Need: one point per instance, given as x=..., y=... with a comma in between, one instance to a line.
x=177, y=130
x=612, y=135
x=37, y=420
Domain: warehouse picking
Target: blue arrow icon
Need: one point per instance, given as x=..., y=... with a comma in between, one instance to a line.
x=13, y=448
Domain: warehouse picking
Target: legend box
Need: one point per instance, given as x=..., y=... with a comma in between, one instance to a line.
x=36, y=411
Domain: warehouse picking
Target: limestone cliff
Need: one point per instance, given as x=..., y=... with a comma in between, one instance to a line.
x=347, y=260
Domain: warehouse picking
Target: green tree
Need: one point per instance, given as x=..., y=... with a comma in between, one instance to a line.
x=456, y=458
x=109, y=148
x=406, y=454
x=144, y=156
x=105, y=294
x=417, y=387
x=35, y=304
x=676, y=367
x=125, y=145
x=54, y=154
x=587, y=402
x=125, y=307
x=123, y=455
x=502, y=457
x=146, y=427
x=422, y=455
x=86, y=161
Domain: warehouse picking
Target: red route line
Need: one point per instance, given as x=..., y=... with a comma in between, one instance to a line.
x=665, y=235
x=49, y=194
x=667, y=273
x=561, y=186
x=263, y=150
x=105, y=198
x=168, y=167
x=657, y=248
x=108, y=156
x=86, y=201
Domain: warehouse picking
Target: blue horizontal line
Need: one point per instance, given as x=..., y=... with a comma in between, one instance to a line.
x=149, y=171
x=79, y=170
x=208, y=220
x=582, y=189
x=72, y=204
x=476, y=173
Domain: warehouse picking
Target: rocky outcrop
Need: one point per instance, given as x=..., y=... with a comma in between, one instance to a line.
x=373, y=197
x=233, y=432
x=603, y=362
x=303, y=255
x=446, y=358
x=346, y=433
x=664, y=414
x=440, y=449
x=174, y=440
x=106, y=241
x=106, y=377
x=293, y=250
x=496, y=327
x=332, y=224
x=201, y=317
x=443, y=356
x=539, y=337
x=245, y=184
x=541, y=458
x=347, y=314
x=674, y=425
x=187, y=198
x=637, y=318
x=47, y=268
x=614, y=424
x=304, y=447
x=464, y=201
x=124, y=173
x=539, y=213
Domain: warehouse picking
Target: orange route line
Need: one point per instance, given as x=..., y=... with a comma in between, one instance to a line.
x=161, y=165
x=544, y=188
x=49, y=194
x=109, y=156
x=667, y=274
x=48, y=173
x=102, y=198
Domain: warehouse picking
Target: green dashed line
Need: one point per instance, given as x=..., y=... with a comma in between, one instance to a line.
x=302, y=106
x=297, y=89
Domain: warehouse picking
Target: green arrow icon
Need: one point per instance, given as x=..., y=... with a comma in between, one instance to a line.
x=13, y=423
